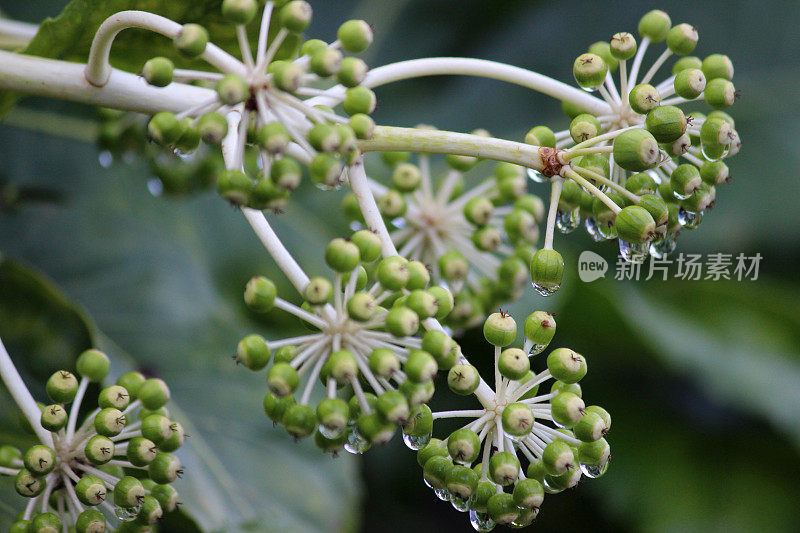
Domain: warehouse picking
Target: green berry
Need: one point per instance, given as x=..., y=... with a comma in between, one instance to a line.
x=513, y=364
x=287, y=76
x=27, y=484
x=40, y=460
x=342, y=366
x=463, y=446
x=90, y=521
x=589, y=70
x=326, y=62
x=375, y=429
x=528, y=494
x=541, y=136
x=295, y=16
x=393, y=407
x=656, y=207
x=363, y=125
x=165, y=468
x=584, y=127
x=714, y=172
x=591, y=426
x=282, y=379
x=110, y=422
x=623, y=45
x=406, y=177
x=635, y=224
x=260, y=294
x=461, y=481
x=558, y=457
x=567, y=409
x=643, y=98
x=444, y=301
x=352, y=71
x=150, y=511
x=99, y=450
x=45, y=523
x=383, y=362
x=300, y=420
x=502, y=509
x=253, y=352
x=91, y=490
x=655, y=25
x=463, y=379
x=603, y=49
x=54, y=417
x=164, y=128
x=239, y=11
x=154, y=394
x=596, y=453
x=158, y=71
x=517, y=419
x=690, y=83
x=641, y=183
x=212, y=128
x=719, y=93
x=93, y=365
x=355, y=36
x=274, y=138
x=128, y=492
x=369, y=244
x=539, y=328
x=666, y=123
x=392, y=204
x=420, y=366
x=435, y=471
x=682, y=39
x=500, y=329
x=547, y=270
x=686, y=62
x=9, y=456
x=417, y=393
x=419, y=422
x=235, y=186
x=434, y=448
x=453, y=266
x=717, y=66
x=566, y=365
x=342, y=255
x=504, y=468
x=62, y=386
x=392, y=273
x=333, y=415
x=636, y=150
x=156, y=428
x=191, y=41
x=141, y=451
x=685, y=179
x=232, y=90
x=359, y=100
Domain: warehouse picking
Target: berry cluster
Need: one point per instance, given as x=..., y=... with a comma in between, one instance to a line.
x=479, y=467
x=478, y=241
x=123, y=449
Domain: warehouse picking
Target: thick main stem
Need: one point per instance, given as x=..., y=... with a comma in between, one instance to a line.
x=22, y=396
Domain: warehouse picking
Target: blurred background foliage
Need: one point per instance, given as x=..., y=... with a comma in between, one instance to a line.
x=702, y=378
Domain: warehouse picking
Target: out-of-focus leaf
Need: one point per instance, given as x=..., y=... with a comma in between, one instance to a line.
x=163, y=279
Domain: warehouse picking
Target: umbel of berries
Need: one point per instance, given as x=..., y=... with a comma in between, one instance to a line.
x=115, y=466
x=522, y=442
x=366, y=351
x=644, y=168
x=281, y=129
x=476, y=239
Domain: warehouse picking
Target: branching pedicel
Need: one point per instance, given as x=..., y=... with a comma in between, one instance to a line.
x=631, y=162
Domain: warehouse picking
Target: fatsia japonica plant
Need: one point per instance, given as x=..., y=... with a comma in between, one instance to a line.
x=430, y=254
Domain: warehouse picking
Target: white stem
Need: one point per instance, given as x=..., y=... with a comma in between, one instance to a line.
x=76, y=406
x=637, y=61
x=571, y=174
x=98, y=70
x=263, y=33
x=555, y=194
x=22, y=396
x=474, y=413
x=660, y=61
x=24, y=31
x=439, y=66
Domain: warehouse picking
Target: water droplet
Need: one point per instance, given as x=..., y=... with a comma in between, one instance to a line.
x=568, y=221
x=442, y=494
x=608, y=231
x=593, y=230
x=461, y=504
x=356, y=443
x=355, y=226
x=481, y=521
x=681, y=196
x=594, y=471
x=665, y=245
x=633, y=252
x=536, y=349
x=526, y=518
x=590, y=89
x=549, y=488
x=537, y=176
x=329, y=432
x=545, y=290
x=427, y=484
x=105, y=158
x=126, y=514
x=155, y=186
x=714, y=155
x=416, y=443
x=326, y=187
x=689, y=219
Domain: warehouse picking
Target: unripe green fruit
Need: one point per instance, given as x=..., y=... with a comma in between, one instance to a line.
x=93, y=365
x=375, y=429
x=54, y=417
x=444, y=301
x=655, y=25
x=232, y=90
x=260, y=294
x=363, y=125
x=656, y=207
x=99, y=450
x=419, y=422
x=154, y=394
x=590, y=427
x=45, y=523
x=719, y=93
x=299, y=420
x=513, y=364
x=558, y=457
x=685, y=179
x=150, y=511
x=547, y=270
x=90, y=521
x=641, y=183
x=295, y=16
x=406, y=177
x=239, y=11
x=541, y=136
x=528, y=494
x=40, y=460
x=689, y=83
x=235, y=186
x=435, y=471
x=355, y=36
x=717, y=66
x=383, y=362
x=422, y=303
x=463, y=379
x=253, y=352
x=27, y=484
x=274, y=138
x=342, y=255
x=343, y=366
x=461, y=481
x=666, y=123
x=191, y=41
x=567, y=409
x=287, y=76
x=392, y=204
x=165, y=468
x=110, y=422
x=453, y=266
x=212, y=128
x=393, y=407
x=158, y=71
x=352, y=72
x=420, y=367
x=91, y=490
x=282, y=379
x=9, y=456
x=539, y=328
x=128, y=492
x=682, y=39
x=318, y=291
x=643, y=98
x=686, y=62
x=437, y=343
x=359, y=100
x=333, y=414
x=594, y=453
x=584, y=127
x=504, y=468
x=392, y=273
x=434, y=448
x=502, y=509
x=623, y=45
x=635, y=224
x=500, y=329
x=603, y=49
x=62, y=386
x=636, y=150
x=589, y=70
x=566, y=365
x=714, y=172
x=156, y=428
x=463, y=446
x=517, y=419
x=141, y=451
x=417, y=393
x=369, y=244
